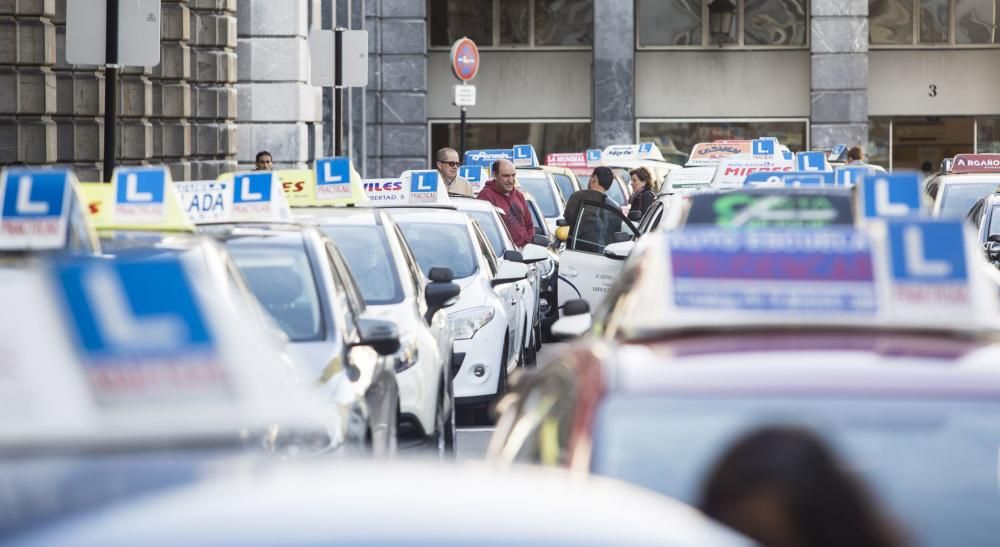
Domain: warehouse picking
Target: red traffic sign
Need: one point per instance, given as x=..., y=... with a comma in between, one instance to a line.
x=465, y=59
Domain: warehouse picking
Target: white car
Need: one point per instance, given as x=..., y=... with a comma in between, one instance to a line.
x=543, y=188
x=953, y=195
x=493, y=227
x=486, y=321
x=395, y=289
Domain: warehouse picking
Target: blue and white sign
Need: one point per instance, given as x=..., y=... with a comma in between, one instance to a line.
x=805, y=271
x=790, y=179
x=140, y=194
x=593, y=157
x=524, y=156
x=385, y=190
x=812, y=161
x=888, y=196
x=140, y=329
x=477, y=175
x=930, y=269
x=786, y=153
x=763, y=147
x=485, y=158
x=35, y=209
x=851, y=175
x=424, y=186
x=837, y=154
x=333, y=178
x=253, y=187
x=249, y=197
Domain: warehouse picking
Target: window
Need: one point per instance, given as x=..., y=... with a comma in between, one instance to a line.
x=987, y=135
x=367, y=252
x=540, y=189
x=444, y=245
x=545, y=137
x=565, y=185
x=596, y=228
x=513, y=23
x=488, y=224
x=681, y=135
x=756, y=23
x=940, y=22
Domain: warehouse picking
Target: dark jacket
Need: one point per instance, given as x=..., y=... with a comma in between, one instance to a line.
x=516, y=215
x=595, y=229
x=641, y=200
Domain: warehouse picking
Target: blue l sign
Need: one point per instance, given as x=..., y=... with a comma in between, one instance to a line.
x=811, y=161
x=896, y=195
x=423, y=181
x=593, y=155
x=333, y=171
x=928, y=251
x=253, y=188
x=34, y=195
x=763, y=147
x=126, y=310
x=140, y=186
x=472, y=173
x=851, y=175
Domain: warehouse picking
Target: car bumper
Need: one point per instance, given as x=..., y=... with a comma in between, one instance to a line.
x=480, y=370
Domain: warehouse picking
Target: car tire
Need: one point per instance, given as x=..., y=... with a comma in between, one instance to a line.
x=530, y=357
x=538, y=336
x=442, y=441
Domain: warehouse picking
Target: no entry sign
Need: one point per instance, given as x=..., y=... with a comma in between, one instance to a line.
x=465, y=59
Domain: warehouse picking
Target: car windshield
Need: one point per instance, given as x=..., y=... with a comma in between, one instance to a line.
x=933, y=464
x=616, y=195
x=541, y=190
x=441, y=245
x=957, y=199
x=565, y=185
x=745, y=210
x=366, y=249
x=994, y=214
x=489, y=225
x=281, y=278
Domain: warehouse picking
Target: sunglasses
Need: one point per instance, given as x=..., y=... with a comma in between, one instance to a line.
x=450, y=163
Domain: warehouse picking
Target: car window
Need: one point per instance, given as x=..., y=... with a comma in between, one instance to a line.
x=536, y=218
x=485, y=249
x=616, y=194
x=346, y=295
x=441, y=245
x=565, y=185
x=647, y=220
x=366, y=250
x=596, y=228
x=759, y=210
x=488, y=223
x=282, y=280
x=958, y=199
x=541, y=190
x=412, y=268
x=994, y=221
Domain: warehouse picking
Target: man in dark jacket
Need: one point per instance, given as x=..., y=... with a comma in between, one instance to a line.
x=502, y=192
x=594, y=229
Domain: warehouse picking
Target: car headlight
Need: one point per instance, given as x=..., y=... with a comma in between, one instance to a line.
x=408, y=354
x=545, y=267
x=465, y=324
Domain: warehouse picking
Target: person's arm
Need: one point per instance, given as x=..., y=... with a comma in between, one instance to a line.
x=572, y=209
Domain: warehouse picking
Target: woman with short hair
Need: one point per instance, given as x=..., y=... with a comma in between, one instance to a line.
x=643, y=190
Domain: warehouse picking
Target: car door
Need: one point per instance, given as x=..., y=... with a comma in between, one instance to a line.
x=585, y=271
x=439, y=323
x=509, y=294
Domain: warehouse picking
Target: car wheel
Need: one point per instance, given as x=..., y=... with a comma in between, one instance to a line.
x=529, y=356
x=442, y=440
x=538, y=336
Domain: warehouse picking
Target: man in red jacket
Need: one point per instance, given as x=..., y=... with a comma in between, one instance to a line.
x=501, y=191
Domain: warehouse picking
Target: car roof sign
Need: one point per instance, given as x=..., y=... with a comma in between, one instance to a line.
x=594, y=157
x=812, y=161
x=837, y=154
x=334, y=182
x=890, y=196
x=485, y=158
x=570, y=160
x=385, y=191
x=36, y=207
x=477, y=175
x=422, y=187
x=789, y=179
x=255, y=196
x=645, y=151
x=711, y=153
x=138, y=198
x=525, y=156
x=975, y=163
x=733, y=170
x=851, y=175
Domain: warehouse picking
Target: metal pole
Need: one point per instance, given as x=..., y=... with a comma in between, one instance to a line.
x=110, y=87
x=461, y=135
x=338, y=90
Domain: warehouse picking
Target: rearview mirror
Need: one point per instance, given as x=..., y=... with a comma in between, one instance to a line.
x=509, y=272
x=533, y=254
x=561, y=222
x=620, y=237
x=994, y=237
x=635, y=216
x=541, y=240
x=619, y=251
x=992, y=248
x=575, y=322
x=382, y=336
x=513, y=256
x=440, y=274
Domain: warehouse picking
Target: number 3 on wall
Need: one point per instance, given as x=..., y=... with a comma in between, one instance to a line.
x=932, y=90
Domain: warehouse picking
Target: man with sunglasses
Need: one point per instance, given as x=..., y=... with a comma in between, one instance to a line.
x=447, y=165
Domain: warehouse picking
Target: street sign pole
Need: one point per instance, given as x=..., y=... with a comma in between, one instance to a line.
x=338, y=90
x=110, y=87
x=465, y=64
x=461, y=134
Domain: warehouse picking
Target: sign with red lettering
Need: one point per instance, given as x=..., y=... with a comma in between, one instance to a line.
x=571, y=160
x=976, y=163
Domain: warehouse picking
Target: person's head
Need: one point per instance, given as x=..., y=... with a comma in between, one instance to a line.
x=927, y=167
x=505, y=174
x=601, y=179
x=641, y=179
x=856, y=154
x=782, y=487
x=447, y=163
x=263, y=161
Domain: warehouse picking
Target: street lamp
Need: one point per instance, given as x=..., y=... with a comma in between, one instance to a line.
x=721, y=17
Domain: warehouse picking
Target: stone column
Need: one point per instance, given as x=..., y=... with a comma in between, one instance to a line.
x=275, y=99
x=79, y=107
x=27, y=83
x=213, y=95
x=135, y=108
x=839, y=45
x=397, y=98
x=172, y=92
x=614, y=73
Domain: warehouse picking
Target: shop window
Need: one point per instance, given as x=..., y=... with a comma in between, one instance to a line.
x=676, y=138
x=988, y=135
x=512, y=23
x=939, y=22
x=740, y=23
x=546, y=137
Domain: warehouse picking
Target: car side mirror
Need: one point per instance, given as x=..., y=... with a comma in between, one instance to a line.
x=562, y=233
x=621, y=237
x=509, y=272
x=994, y=238
x=513, y=256
x=635, y=216
x=380, y=335
x=619, y=251
x=575, y=322
x=439, y=295
x=440, y=274
x=533, y=254
x=541, y=240
x=561, y=222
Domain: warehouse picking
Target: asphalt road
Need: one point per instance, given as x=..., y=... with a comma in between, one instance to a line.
x=473, y=440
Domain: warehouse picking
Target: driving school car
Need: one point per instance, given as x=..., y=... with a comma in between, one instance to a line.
x=882, y=340
x=967, y=178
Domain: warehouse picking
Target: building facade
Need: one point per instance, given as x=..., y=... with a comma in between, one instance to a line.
x=913, y=81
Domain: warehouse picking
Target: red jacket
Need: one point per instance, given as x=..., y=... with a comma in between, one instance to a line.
x=516, y=215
